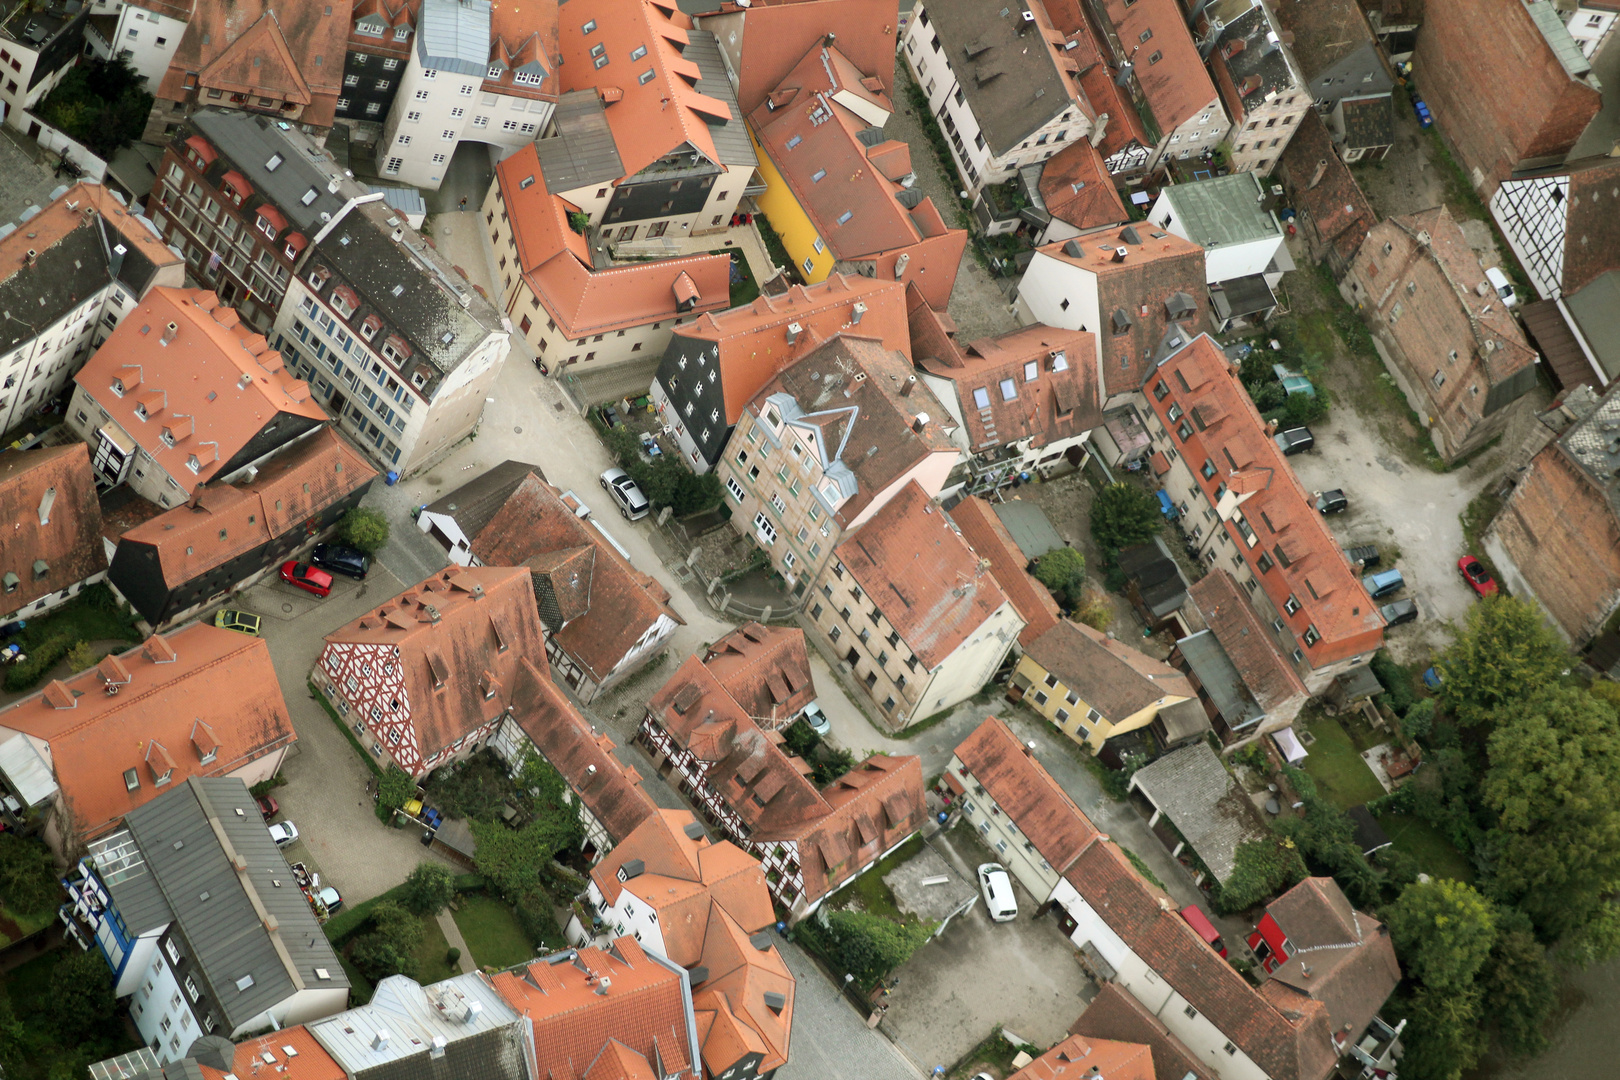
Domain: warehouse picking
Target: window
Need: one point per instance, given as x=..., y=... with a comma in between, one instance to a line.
x=1009, y=389
x=1311, y=636
x=1145, y=35
x=1291, y=605
x=763, y=527
x=638, y=52
x=735, y=488
x=1155, y=58
x=1192, y=1013
x=589, y=27
x=1230, y=1049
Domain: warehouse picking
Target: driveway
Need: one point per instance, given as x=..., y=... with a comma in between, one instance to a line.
x=325, y=793
x=1021, y=975
x=830, y=1039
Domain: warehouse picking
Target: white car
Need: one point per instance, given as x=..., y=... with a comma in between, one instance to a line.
x=632, y=503
x=283, y=833
x=996, y=885
x=1502, y=286
x=817, y=719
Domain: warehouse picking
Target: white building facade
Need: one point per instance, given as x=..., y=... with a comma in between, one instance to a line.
x=1591, y=23
x=145, y=37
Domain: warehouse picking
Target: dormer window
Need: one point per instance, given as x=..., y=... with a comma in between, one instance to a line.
x=369, y=328
x=401, y=33
x=341, y=304
x=140, y=412
x=193, y=464
x=495, y=71
x=117, y=387
x=418, y=379
x=167, y=437
x=267, y=227
x=274, y=163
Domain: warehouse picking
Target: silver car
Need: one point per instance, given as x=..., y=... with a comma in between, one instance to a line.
x=632, y=503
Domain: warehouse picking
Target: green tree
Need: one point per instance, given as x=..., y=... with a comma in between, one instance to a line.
x=871, y=946
x=28, y=876
x=1443, y=930
x=1520, y=985
x=82, y=1002
x=1503, y=653
x=1261, y=869
x=1063, y=572
x=513, y=859
x=394, y=790
x=388, y=946
x=429, y=888
x=1123, y=516
x=1443, y=1039
x=365, y=529
x=83, y=656
x=1554, y=785
x=1419, y=719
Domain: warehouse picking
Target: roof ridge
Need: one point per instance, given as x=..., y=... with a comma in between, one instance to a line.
x=88, y=719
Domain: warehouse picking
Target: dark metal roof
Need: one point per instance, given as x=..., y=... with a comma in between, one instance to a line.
x=1368, y=122
x=1241, y=296
x=1157, y=577
x=214, y=906
x=731, y=140
x=582, y=151
x=1553, y=336
x=1220, y=679
x=252, y=142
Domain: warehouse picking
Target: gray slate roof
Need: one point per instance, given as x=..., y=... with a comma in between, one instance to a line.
x=488, y=1046
x=474, y=503
x=1194, y=791
x=1029, y=528
x=1596, y=309
x=251, y=142
x=731, y=140
x=1220, y=679
x=582, y=151
x=214, y=907
x=454, y=36
x=1223, y=210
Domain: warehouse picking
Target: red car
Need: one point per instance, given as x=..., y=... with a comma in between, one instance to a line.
x=306, y=577
x=268, y=806
x=1479, y=579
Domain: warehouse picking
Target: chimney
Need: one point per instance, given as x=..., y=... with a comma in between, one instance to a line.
x=1120, y=253
x=1271, y=427
x=590, y=770
x=1029, y=749
x=271, y=923
x=856, y=312
x=908, y=386
x=379, y=1041
x=919, y=421
x=116, y=262
x=169, y=332
x=827, y=42
x=1316, y=177
x=793, y=332
x=398, y=233
x=604, y=982
x=473, y=1009
x=900, y=265
x=332, y=186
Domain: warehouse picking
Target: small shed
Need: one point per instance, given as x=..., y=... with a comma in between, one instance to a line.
x=455, y=839
x=1357, y=684
x=1293, y=751
x=929, y=887
x=1029, y=527
x=1193, y=790
x=1155, y=585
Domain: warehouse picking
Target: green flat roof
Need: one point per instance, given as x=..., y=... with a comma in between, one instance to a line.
x=1223, y=210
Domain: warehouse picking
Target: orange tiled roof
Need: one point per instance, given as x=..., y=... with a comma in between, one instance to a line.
x=257, y=63
x=1246, y=640
x=989, y=538
x=1080, y=1058
x=309, y=1061
x=741, y=975
x=765, y=669
x=642, y=1008
x=653, y=118
x=752, y=340
x=524, y=32
x=1178, y=86
x=1076, y=188
x=293, y=51
x=1308, y=565
x=1115, y=1014
x=81, y=206
x=49, y=499
x=922, y=574
x=606, y=605
x=196, y=685
x=556, y=262
x=214, y=385
x=226, y=521
x=448, y=631
x=610, y=790
x=776, y=36
x=1019, y=784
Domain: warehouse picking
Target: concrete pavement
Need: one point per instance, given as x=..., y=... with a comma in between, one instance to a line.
x=830, y=1039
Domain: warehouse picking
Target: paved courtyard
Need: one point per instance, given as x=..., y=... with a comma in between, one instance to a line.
x=830, y=1039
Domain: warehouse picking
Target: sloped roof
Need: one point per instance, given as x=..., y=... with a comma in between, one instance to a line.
x=1221, y=211
x=741, y=975
x=49, y=497
x=775, y=37
x=765, y=669
x=206, y=688
x=989, y=538
x=464, y=621
x=1340, y=957
x=1026, y=792
x=1323, y=187
x=610, y=790
x=454, y=36
x=307, y=1061
x=474, y=503
x=216, y=384
x=293, y=51
x=1076, y=188
x=259, y=62
x=1194, y=790
x=1112, y=677
x=223, y=522
x=1269, y=678
x=1591, y=227
x=923, y=576
x=580, y=151
x=1325, y=32
x=1115, y=1014
x=1078, y=1056
x=1176, y=87
x=618, y=603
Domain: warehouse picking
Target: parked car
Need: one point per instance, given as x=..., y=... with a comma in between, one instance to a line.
x=996, y=885
x=283, y=833
x=1502, y=287
x=1206, y=929
x=632, y=503
x=817, y=719
x=1331, y=502
x=1479, y=579
x=268, y=806
x=331, y=898
x=348, y=561
x=1400, y=612
x=1384, y=583
x=1295, y=440
x=1364, y=554
x=243, y=622
x=306, y=577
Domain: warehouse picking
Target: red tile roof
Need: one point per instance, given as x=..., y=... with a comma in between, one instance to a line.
x=291, y=53
x=448, y=632
x=652, y=118
x=195, y=686
x=1026, y=792
x=1297, y=1049
x=308, y=1061
x=775, y=37
x=765, y=669
x=1077, y=189
x=610, y=790
x=223, y=522
x=606, y=605
x=1078, y=1057
x=1341, y=957
x=1227, y=432
x=49, y=499
x=1058, y=403
x=982, y=529
x=1178, y=87
x=752, y=340
x=642, y=1008
x=1593, y=247
x=524, y=34
x=215, y=384
x=842, y=182
x=1247, y=641
x=1115, y=1014
x=923, y=576
x=1115, y=679
x=740, y=975
x=1324, y=190
x=555, y=261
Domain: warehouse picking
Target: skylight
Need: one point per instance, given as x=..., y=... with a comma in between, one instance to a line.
x=274, y=163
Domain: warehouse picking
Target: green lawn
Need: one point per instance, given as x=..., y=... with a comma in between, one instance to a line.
x=744, y=291
x=492, y=932
x=869, y=891
x=24, y=924
x=1435, y=854
x=1336, y=766
x=430, y=965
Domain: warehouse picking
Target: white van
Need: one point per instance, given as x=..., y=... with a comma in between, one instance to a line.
x=999, y=900
x=1502, y=287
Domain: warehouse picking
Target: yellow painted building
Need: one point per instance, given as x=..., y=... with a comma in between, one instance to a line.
x=1092, y=687
x=798, y=233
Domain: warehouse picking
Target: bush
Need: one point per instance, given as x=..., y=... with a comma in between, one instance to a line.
x=453, y=957
x=1123, y=516
x=28, y=877
x=1063, y=572
x=870, y=946
x=1261, y=870
x=394, y=933
x=537, y=921
x=429, y=888
x=1419, y=719
x=1094, y=610
x=394, y=790
x=1396, y=679
x=82, y=657
x=365, y=529
x=82, y=1003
